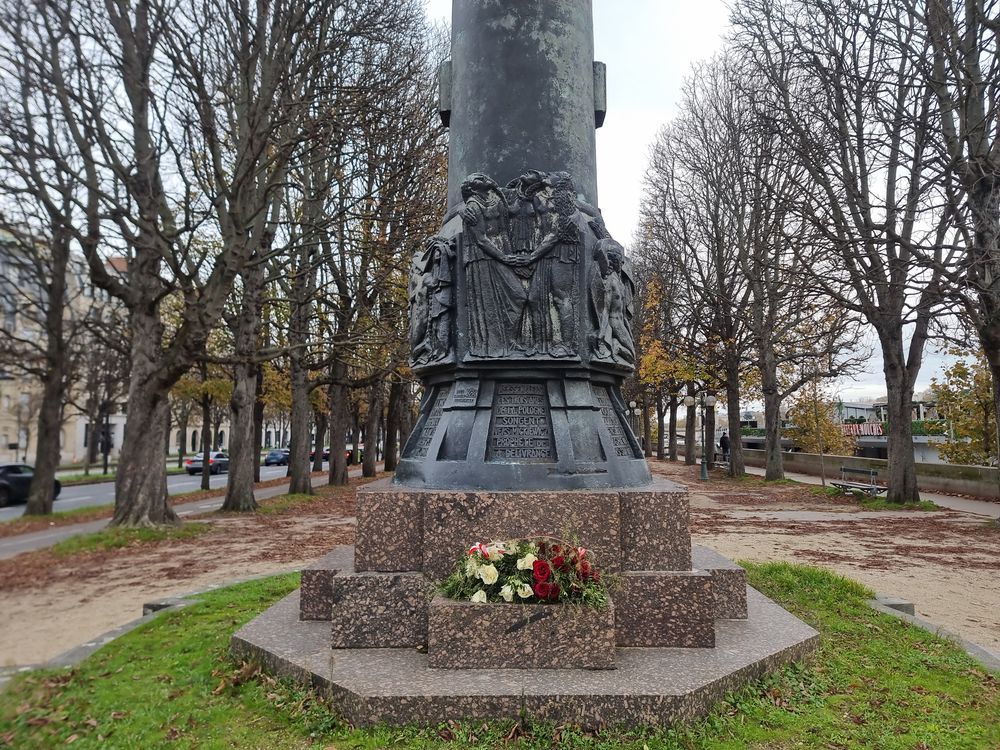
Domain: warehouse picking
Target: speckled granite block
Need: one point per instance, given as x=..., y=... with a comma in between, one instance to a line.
x=389, y=536
x=651, y=686
x=665, y=609
x=729, y=582
x=463, y=635
x=654, y=526
x=379, y=610
x=454, y=520
x=316, y=601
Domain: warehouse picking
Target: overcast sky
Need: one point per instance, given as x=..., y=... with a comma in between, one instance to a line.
x=649, y=47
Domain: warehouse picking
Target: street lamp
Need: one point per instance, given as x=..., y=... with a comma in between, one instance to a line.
x=632, y=412
x=705, y=401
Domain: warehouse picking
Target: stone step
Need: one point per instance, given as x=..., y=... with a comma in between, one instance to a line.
x=660, y=609
x=315, y=602
x=379, y=610
x=729, y=579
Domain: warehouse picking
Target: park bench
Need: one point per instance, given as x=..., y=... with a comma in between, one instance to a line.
x=847, y=485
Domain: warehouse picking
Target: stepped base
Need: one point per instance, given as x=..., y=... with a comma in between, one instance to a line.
x=650, y=686
x=683, y=628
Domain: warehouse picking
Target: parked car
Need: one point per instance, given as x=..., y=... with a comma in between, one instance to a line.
x=218, y=462
x=15, y=483
x=276, y=457
x=326, y=454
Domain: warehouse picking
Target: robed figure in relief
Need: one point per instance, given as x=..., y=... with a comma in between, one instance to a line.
x=495, y=294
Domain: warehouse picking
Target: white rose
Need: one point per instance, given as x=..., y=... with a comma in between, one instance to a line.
x=524, y=591
x=526, y=562
x=471, y=567
x=479, y=597
x=489, y=574
x=507, y=593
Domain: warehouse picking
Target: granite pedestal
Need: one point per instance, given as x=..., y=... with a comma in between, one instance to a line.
x=367, y=630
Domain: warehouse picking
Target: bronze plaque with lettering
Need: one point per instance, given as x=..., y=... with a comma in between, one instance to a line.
x=431, y=423
x=613, y=422
x=520, y=431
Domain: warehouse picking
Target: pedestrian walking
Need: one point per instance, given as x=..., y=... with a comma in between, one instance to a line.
x=724, y=444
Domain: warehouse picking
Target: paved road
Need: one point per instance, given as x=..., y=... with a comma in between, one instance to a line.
x=104, y=493
x=26, y=542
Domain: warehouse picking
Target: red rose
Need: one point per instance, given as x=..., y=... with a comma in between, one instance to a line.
x=558, y=562
x=541, y=570
x=541, y=548
x=556, y=549
x=553, y=592
x=584, y=568
x=543, y=590
x=595, y=576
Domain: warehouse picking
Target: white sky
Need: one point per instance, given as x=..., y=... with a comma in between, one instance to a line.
x=649, y=47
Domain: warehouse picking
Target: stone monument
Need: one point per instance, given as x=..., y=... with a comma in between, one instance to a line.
x=521, y=333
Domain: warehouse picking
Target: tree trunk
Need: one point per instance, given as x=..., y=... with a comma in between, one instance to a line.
x=206, y=435
x=320, y=442
x=356, y=435
x=736, y=466
x=46, y=445
x=690, y=431
x=258, y=421
x=672, y=439
x=659, y=426
x=141, y=497
x=647, y=441
x=995, y=373
x=902, y=469
x=371, y=430
x=339, y=422
x=239, y=487
x=142, y=472
x=392, y=421
x=774, y=468
x=298, y=454
x=182, y=425
x=42, y=492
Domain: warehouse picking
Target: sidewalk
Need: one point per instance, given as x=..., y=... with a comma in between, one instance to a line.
x=15, y=545
x=961, y=504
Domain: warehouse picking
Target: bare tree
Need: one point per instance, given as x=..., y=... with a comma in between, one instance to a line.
x=855, y=115
x=963, y=71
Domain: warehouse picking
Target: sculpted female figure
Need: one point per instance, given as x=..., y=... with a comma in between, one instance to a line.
x=495, y=294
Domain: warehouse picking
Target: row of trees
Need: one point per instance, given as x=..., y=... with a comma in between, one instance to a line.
x=263, y=170
x=834, y=172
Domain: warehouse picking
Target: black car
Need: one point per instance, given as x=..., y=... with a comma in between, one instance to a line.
x=15, y=483
x=276, y=458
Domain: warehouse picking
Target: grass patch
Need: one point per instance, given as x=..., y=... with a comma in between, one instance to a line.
x=69, y=480
x=872, y=503
x=879, y=503
x=876, y=683
x=116, y=538
x=57, y=517
x=281, y=503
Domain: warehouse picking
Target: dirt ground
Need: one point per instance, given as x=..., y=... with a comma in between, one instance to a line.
x=945, y=562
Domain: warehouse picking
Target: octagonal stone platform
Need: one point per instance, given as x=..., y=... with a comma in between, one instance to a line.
x=683, y=629
x=651, y=686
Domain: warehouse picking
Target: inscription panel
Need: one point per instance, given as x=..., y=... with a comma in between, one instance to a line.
x=430, y=425
x=520, y=430
x=465, y=394
x=613, y=422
